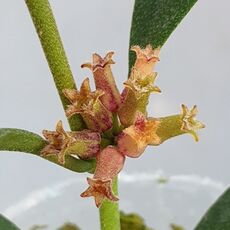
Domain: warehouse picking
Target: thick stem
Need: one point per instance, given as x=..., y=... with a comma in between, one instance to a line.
x=48, y=34
x=109, y=212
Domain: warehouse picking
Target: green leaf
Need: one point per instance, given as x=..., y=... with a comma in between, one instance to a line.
x=5, y=224
x=28, y=142
x=154, y=20
x=218, y=215
x=21, y=141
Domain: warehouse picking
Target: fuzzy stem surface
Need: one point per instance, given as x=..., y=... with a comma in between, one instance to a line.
x=44, y=22
x=109, y=212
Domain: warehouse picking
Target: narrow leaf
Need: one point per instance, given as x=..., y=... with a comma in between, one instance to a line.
x=218, y=215
x=28, y=142
x=154, y=20
x=21, y=141
x=5, y=224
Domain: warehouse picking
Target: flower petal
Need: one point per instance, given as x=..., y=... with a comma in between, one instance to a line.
x=146, y=59
x=189, y=122
x=89, y=106
x=178, y=124
x=85, y=144
x=134, y=139
x=104, y=80
x=99, y=189
x=135, y=96
x=109, y=163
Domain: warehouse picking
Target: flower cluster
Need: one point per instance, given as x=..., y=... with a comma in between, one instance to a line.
x=120, y=118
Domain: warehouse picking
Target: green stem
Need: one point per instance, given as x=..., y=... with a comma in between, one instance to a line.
x=109, y=212
x=48, y=34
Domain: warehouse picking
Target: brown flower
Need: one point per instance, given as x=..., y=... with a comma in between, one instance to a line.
x=84, y=144
x=87, y=104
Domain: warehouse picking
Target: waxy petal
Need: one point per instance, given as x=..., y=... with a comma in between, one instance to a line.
x=175, y=125
x=146, y=59
x=88, y=105
x=99, y=189
x=135, y=96
x=109, y=163
x=104, y=80
x=134, y=139
x=190, y=124
x=85, y=144
x=58, y=141
x=142, y=84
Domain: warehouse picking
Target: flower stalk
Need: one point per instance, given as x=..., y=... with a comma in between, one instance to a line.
x=109, y=212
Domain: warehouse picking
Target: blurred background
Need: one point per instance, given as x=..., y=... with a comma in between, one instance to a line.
x=194, y=69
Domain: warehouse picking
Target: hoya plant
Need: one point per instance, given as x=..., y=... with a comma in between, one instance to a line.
x=108, y=124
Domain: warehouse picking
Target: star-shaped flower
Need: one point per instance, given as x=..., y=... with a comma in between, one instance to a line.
x=146, y=59
x=139, y=86
x=59, y=141
x=104, y=80
x=89, y=105
x=190, y=124
x=142, y=85
x=129, y=134
x=109, y=163
x=83, y=100
x=85, y=144
x=99, y=62
x=100, y=189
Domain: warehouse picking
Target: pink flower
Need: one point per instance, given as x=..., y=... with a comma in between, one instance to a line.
x=89, y=106
x=146, y=59
x=104, y=80
x=109, y=163
x=84, y=144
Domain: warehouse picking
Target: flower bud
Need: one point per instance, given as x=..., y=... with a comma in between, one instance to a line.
x=88, y=105
x=104, y=80
x=109, y=163
x=85, y=144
